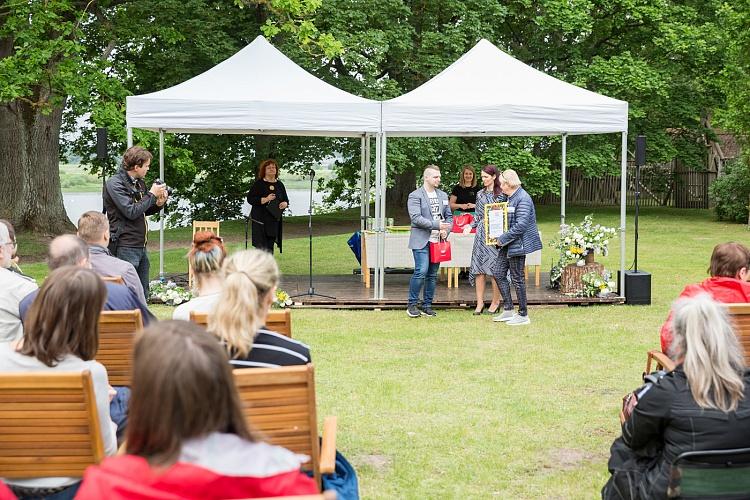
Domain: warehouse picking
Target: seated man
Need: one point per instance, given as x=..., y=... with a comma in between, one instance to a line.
x=70, y=250
x=730, y=272
x=14, y=258
x=14, y=288
x=93, y=228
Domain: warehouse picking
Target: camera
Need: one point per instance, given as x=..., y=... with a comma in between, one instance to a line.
x=161, y=183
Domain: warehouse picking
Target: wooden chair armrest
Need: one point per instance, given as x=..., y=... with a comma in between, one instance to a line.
x=660, y=359
x=328, y=446
x=622, y=417
x=122, y=449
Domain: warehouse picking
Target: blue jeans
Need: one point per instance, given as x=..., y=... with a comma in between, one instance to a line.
x=118, y=411
x=139, y=258
x=425, y=274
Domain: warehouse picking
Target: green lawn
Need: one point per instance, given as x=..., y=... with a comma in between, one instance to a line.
x=460, y=407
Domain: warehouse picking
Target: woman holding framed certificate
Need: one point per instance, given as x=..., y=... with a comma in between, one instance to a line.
x=483, y=255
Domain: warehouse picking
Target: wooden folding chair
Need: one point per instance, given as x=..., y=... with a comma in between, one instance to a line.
x=280, y=403
x=113, y=279
x=279, y=321
x=711, y=474
x=201, y=225
x=49, y=425
x=117, y=335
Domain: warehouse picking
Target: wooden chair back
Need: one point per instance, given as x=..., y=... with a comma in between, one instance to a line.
x=113, y=279
x=49, y=425
x=117, y=334
x=280, y=403
x=201, y=225
x=740, y=316
x=279, y=321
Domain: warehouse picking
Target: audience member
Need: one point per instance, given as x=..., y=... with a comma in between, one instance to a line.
x=14, y=288
x=250, y=279
x=205, y=258
x=14, y=257
x=187, y=437
x=93, y=228
x=730, y=272
x=56, y=340
x=70, y=250
x=702, y=405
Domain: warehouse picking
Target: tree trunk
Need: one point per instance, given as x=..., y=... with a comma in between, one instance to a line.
x=30, y=192
x=397, y=195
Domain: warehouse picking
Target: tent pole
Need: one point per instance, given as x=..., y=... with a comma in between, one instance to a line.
x=563, y=177
x=381, y=293
x=623, y=203
x=368, y=164
x=376, y=227
x=362, y=217
x=130, y=137
x=161, y=212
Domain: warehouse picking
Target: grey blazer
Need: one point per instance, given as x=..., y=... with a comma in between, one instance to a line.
x=422, y=223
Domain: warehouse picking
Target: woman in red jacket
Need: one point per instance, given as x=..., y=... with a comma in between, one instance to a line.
x=186, y=436
x=728, y=283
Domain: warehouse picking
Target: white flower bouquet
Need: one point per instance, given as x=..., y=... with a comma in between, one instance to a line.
x=168, y=292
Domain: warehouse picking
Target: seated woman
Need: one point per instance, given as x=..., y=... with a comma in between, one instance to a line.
x=187, y=437
x=702, y=405
x=54, y=339
x=250, y=280
x=464, y=194
x=205, y=257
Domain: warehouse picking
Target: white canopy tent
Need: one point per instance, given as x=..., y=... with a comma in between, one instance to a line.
x=486, y=92
x=256, y=91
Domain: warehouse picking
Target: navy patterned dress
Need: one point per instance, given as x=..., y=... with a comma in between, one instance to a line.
x=483, y=257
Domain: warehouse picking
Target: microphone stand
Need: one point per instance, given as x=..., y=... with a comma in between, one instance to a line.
x=311, y=289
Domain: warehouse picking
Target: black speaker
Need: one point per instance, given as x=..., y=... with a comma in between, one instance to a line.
x=640, y=150
x=101, y=144
x=637, y=287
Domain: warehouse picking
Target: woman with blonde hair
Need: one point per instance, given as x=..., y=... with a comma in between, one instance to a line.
x=702, y=405
x=463, y=197
x=187, y=436
x=205, y=257
x=250, y=280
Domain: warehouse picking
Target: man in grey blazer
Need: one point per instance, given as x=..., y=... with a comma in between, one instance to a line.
x=431, y=219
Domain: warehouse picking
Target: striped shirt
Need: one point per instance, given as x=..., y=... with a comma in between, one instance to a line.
x=272, y=350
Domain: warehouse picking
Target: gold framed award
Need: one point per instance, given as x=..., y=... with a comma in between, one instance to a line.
x=495, y=222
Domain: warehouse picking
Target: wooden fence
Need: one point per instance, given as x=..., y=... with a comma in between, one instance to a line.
x=660, y=186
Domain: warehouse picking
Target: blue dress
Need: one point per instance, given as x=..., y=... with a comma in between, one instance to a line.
x=483, y=257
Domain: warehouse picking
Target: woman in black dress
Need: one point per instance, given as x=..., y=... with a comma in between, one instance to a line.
x=268, y=198
x=464, y=195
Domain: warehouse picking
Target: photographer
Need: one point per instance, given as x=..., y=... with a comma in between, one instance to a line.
x=127, y=203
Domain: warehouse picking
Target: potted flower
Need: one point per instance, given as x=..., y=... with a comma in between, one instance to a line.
x=578, y=244
x=167, y=292
x=282, y=300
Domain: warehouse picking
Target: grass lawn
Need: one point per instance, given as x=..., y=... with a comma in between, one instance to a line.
x=458, y=406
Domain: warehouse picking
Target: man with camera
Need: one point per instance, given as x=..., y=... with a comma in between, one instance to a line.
x=127, y=203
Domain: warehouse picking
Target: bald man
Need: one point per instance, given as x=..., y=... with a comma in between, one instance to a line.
x=70, y=250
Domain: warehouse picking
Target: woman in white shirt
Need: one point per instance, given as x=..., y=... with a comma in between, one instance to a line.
x=61, y=333
x=205, y=257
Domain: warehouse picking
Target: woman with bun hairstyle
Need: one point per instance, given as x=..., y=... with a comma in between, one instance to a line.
x=249, y=289
x=205, y=258
x=268, y=199
x=187, y=437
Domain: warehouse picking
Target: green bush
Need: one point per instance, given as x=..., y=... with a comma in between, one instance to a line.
x=731, y=192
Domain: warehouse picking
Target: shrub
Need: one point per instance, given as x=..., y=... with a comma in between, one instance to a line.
x=731, y=192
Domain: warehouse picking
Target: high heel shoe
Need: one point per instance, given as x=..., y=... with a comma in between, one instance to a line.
x=490, y=311
x=479, y=312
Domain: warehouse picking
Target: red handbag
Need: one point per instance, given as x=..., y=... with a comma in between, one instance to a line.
x=440, y=251
x=460, y=221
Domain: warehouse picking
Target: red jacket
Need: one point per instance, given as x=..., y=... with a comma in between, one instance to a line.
x=721, y=289
x=217, y=466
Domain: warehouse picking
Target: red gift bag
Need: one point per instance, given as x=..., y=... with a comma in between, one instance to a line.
x=440, y=251
x=460, y=221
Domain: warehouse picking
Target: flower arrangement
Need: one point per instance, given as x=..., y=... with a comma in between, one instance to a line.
x=168, y=292
x=575, y=241
x=282, y=300
x=596, y=285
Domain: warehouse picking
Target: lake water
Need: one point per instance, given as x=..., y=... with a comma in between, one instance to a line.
x=78, y=203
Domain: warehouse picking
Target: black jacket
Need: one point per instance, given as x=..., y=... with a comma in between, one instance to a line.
x=127, y=203
x=668, y=419
x=262, y=219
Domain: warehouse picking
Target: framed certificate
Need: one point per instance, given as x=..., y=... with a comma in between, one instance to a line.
x=495, y=222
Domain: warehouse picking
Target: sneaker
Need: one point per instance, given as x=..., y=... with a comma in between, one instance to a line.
x=412, y=311
x=505, y=316
x=427, y=311
x=519, y=320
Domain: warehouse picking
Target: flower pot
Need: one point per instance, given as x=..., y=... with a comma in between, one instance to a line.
x=589, y=258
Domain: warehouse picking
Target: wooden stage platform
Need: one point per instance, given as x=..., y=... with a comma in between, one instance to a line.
x=351, y=293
